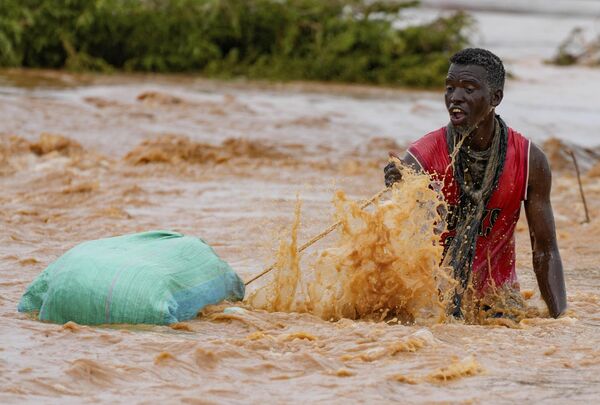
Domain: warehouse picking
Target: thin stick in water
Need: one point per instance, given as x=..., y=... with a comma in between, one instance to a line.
x=587, y=215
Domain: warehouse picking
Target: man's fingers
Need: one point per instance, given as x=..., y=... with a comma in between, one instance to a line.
x=391, y=180
x=390, y=166
x=392, y=172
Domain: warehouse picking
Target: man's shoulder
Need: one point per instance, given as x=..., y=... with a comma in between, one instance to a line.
x=431, y=150
x=523, y=146
x=432, y=137
x=517, y=134
x=538, y=158
x=540, y=175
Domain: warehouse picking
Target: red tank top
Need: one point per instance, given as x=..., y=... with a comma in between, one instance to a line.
x=494, y=261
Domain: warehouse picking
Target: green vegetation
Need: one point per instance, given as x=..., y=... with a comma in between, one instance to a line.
x=577, y=49
x=341, y=40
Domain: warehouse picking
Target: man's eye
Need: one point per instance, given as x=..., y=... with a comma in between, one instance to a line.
x=449, y=88
x=469, y=90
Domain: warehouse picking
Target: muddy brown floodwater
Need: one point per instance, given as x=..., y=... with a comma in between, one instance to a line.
x=84, y=157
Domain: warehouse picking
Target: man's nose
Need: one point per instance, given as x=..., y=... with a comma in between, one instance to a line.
x=457, y=96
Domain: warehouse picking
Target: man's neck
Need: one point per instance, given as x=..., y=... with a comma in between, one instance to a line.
x=482, y=136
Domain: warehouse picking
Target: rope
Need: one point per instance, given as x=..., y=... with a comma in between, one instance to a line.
x=320, y=236
x=472, y=202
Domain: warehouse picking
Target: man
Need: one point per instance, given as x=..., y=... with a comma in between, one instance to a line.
x=486, y=170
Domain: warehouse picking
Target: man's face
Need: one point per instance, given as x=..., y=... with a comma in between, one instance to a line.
x=468, y=97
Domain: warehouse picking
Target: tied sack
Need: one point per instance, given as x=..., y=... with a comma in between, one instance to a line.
x=156, y=277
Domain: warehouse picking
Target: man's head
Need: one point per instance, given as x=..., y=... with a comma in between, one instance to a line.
x=474, y=86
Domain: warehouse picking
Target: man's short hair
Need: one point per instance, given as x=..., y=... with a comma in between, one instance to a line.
x=487, y=60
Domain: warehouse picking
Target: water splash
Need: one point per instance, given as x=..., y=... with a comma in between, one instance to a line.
x=385, y=263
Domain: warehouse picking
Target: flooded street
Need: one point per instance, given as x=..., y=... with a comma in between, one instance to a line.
x=85, y=157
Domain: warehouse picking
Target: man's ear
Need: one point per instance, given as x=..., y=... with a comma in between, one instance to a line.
x=497, y=97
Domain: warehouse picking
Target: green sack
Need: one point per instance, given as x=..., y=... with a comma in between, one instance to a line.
x=156, y=277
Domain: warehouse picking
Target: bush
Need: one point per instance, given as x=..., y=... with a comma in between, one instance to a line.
x=342, y=40
x=577, y=49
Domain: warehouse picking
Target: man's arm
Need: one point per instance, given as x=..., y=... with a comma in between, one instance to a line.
x=546, y=257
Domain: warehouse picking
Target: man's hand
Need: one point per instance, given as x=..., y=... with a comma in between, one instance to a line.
x=391, y=171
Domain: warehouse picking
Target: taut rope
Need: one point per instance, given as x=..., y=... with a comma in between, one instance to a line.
x=320, y=236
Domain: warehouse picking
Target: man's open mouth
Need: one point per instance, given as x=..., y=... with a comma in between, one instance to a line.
x=457, y=116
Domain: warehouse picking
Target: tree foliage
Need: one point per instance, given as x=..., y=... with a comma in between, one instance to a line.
x=342, y=40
